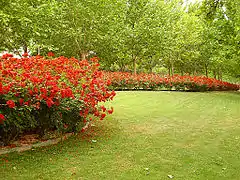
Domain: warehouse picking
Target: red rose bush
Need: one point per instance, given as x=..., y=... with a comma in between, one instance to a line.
x=128, y=81
x=43, y=94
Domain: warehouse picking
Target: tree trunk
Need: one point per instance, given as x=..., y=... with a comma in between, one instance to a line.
x=135, y=65
x=150, y=70
x=172, y=67
x=214, y=74
x=219, y=73
x=38, y=50
x=182, y=72
x=206, y=70
x=25, y=48
x=121, y=67
x=169, y=70
x=83, y=55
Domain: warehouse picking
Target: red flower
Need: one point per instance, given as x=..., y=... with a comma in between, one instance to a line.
x=2, y=118
x=57, y=103
x=110, y=111
x=103, y=108
x=96, y=113
x=37, y=105
x=83, y=130
x=9, y=55
x=1, y=88
x=49, y=102
x=65, y=126
x=25, y=54
x=102, y=116
x=50, y=54
x=10, y=103
x=84, y=86
x=26, y=103
x=30, y=92
x=21, y=101
x=5, y=56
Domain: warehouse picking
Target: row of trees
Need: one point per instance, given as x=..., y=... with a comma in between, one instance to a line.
x=129, y=35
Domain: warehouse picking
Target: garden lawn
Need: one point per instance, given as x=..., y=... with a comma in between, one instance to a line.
x=151, y=135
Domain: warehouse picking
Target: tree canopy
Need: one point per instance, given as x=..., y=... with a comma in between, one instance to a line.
x=129, y=35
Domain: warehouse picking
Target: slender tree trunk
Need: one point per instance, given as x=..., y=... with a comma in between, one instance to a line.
x=83, y=55
x=121, y=67
x=219, y=73
x=221, y=76
x=38, y=50
x=172, y=67
x=169, y=70
x=150, y=70
x=206, y=70
x=135, y=65
x=182, y=72
x=214, y=74
x=25, y=48
x=195, y=72
x=151, y=66
x=134, y=57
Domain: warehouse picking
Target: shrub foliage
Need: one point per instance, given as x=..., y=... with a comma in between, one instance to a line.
x=43, y=94
x=128, y=81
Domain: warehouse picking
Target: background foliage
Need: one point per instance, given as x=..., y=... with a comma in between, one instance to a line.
x=138, y=36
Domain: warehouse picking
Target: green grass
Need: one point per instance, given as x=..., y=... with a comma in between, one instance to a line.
x=187, y=135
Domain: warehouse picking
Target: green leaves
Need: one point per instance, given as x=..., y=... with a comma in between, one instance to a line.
x=128, y=34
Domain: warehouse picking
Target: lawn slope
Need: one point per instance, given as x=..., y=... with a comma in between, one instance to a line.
x=150, y=135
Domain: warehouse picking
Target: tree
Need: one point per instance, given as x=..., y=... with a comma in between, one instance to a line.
x=25, y=23
x=222, y=17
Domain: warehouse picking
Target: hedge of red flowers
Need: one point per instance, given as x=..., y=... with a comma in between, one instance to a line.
x=128, y=81
x=42, y=94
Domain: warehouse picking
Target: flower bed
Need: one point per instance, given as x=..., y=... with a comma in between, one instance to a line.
x=42, y=94
x=128, y=81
